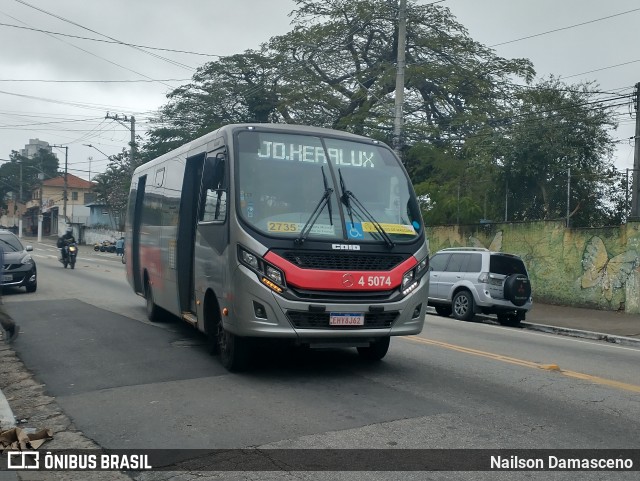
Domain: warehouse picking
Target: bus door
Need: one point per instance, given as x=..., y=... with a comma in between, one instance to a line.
x=212, y=236
x=135, y=234
x=187, y=230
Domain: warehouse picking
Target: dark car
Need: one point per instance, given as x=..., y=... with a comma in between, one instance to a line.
x=19, y=268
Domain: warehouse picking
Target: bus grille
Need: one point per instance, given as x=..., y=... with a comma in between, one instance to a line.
x=320, y=320
x=343, y=262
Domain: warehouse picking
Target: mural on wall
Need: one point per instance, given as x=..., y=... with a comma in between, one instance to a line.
x=596, y=268
x=494, y=246
x=599, y=270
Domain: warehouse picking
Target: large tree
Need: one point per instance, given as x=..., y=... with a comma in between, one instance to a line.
x=112, y=187
x=21, y=174
x=336, y=68
x=474, y=126
x=560, y=142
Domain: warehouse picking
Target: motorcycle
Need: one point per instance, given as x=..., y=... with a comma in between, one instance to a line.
x=105, y=246
x=69, y=255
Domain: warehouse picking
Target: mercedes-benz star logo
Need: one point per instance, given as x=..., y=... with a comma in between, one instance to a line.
x=347, y=280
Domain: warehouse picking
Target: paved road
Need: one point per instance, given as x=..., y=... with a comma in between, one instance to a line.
x=120, y=381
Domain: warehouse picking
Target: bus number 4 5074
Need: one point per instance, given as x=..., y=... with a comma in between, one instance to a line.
x=375, y=281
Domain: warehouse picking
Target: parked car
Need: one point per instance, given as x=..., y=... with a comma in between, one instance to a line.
x=469, y=280
x=19, y=268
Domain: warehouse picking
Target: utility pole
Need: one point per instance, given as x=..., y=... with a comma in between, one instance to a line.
x=132, y=128
x=568, y=194
x=402, y=40
x=636, y=158
x=66, y=163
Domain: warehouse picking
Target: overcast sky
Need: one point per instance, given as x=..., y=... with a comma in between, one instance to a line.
x=37, y=99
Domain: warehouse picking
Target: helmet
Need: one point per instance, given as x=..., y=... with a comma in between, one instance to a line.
x=69, y=230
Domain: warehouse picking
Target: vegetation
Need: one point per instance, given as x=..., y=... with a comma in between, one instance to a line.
x=44, y=165
x=480, y=140
x=112, y=187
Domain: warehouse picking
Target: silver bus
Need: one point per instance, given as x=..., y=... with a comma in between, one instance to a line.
x=258, y=231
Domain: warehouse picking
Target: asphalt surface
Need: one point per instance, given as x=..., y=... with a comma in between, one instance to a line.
x=608, y=326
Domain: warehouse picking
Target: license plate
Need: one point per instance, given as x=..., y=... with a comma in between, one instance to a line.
x=346, y=319
x=7, y=278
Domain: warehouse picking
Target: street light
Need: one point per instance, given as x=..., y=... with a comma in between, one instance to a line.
x=94, y=147
x=91, y=158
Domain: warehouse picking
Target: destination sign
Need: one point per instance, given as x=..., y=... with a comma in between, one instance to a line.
x=316, y=154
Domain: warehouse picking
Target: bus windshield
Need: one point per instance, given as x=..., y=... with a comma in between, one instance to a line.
x=280, y=182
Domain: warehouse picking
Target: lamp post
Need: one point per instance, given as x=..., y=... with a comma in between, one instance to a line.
x=66, y=162
x=91, y=158
x=94, y=147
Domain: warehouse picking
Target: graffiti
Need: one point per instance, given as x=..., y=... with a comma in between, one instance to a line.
x=599, y=270
x=495, y=245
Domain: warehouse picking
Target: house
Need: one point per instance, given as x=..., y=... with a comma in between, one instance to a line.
x=48, y=200
x=99, y=216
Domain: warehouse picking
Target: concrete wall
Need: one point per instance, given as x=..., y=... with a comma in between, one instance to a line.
x=597, y=268
x=91, y=236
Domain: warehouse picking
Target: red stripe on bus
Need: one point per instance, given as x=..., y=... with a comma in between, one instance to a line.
x=325, y=280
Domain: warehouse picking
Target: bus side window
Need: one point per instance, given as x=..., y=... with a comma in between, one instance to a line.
x=213, y=206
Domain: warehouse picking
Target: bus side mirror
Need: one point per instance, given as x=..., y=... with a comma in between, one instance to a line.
x=214, y=171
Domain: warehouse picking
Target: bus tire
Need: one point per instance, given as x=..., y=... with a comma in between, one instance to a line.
x=234, y=350
x=376, y=350
x=153, y=310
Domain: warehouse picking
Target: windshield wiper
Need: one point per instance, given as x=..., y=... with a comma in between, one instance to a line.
x=324, y=200
x=348, y=196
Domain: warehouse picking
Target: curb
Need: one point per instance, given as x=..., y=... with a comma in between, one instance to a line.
x=595, y=336
x=7, y=419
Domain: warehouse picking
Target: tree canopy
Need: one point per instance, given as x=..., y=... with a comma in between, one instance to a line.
x=480, y=141
x=43, y=165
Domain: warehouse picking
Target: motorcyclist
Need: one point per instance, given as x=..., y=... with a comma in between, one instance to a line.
x=66, y=239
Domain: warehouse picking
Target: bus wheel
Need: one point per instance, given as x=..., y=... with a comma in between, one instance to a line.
x=376, y=350
x=234, y=350
x=153, y=311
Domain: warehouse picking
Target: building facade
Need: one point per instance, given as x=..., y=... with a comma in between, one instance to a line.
x=48, y=201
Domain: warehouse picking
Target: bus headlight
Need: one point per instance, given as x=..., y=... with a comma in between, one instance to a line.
x=269, y=275
x=249, y=259
x=411, y=278
x=275, y=275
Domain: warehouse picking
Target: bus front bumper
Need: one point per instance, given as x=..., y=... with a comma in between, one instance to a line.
x=260, y=312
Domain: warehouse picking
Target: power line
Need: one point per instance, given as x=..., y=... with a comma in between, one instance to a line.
x=93, y=54
x=96, y=81
x=603, y=68
x=178, y=64
x=117, y=42
x=563, y=28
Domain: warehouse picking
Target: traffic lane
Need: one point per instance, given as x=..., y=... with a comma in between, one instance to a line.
x=596, y=358
x=99, y=282
x=77, y=347
x=142, y=389
x=125, y=382
x=512, y=405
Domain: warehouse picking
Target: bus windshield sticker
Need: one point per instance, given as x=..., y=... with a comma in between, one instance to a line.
x=315, y=154
x=354, y=231
x=296, y=227
x=390, y=228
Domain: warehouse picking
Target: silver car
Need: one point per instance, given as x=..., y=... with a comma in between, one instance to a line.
x=468, y=281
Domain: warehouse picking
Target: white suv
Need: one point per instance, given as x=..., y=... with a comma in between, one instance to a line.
x=468, y=280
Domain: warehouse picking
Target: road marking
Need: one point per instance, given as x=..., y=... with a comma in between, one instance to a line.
x=530, y=364
x=559, y=337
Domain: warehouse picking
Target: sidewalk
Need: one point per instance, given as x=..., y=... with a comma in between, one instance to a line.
x=610, y=326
